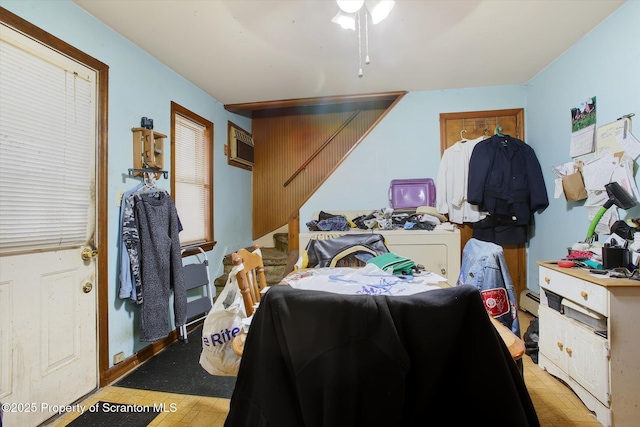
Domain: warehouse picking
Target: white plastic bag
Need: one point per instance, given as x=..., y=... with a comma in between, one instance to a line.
x=222, y=324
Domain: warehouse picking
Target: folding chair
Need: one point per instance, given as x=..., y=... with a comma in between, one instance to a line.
x=196, y=275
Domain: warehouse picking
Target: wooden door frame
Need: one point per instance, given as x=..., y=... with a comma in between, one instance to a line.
x=520, y=283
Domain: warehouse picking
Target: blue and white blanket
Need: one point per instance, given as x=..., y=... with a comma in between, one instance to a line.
x=369, y=280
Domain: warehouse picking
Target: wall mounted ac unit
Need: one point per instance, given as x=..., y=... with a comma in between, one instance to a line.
x=240, y=146
x=529, y=302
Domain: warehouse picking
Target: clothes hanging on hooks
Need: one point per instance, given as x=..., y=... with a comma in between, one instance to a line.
x=127, y=289
x=507, y=182
x=149, y=184
x=161, y=265
x=451, y=183
x=131, y=238
x=150, y=227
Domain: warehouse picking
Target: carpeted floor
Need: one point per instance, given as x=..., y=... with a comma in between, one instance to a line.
x=177, y=370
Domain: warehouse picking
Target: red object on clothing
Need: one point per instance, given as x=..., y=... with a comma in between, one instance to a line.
x=580, y=255
x=496, y=301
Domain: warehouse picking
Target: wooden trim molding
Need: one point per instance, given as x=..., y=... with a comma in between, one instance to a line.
x=177, y=109
x=273, y=107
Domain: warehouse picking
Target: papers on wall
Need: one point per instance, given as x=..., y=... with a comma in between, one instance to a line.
x=594, y=202
x=608, y=155
x=598, y=171
x=608, y=168
x=610, y=136
x=563, y=170
x=602, y=170
x=560, y=172
x=582, y=141
x=623, y=175
x=558, y=191
x=628, y=142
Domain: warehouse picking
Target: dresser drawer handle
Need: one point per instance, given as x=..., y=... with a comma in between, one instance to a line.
x=547, y=279
x=560, y=345
x=584, y=294
x=569, y=351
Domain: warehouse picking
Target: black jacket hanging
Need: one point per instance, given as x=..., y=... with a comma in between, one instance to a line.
x=505, y=179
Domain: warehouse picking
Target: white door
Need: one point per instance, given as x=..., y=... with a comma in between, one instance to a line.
x=48, y=300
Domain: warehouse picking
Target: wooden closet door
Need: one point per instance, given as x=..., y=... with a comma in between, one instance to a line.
x=472, y=125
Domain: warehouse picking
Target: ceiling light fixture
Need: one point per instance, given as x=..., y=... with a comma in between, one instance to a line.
x=350, y=6
x=345, y=20
x=379, y=10
x=351, y=13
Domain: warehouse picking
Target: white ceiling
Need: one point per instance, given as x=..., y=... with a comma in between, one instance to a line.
x=264, y=50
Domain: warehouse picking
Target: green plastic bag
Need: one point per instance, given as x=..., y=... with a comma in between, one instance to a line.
x=394, y=264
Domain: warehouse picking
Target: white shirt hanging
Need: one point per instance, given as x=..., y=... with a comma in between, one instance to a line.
x=451, y=183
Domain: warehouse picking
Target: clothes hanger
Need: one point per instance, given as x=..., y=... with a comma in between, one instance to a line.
x=498, y=133
x=149, y=181
x=485, y=132
x=462, y=138
x=464, y=129
x=149, y=184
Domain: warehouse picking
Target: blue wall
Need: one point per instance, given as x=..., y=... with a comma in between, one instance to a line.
x=406, y=144
x=605, y=64
x=140, y=86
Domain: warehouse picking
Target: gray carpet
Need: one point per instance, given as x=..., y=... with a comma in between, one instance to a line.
x=177, y=370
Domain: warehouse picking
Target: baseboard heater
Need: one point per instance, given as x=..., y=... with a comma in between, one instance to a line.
x=529, y=302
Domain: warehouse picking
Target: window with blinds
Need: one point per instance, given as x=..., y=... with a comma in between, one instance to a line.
x=192, y=185
x=47, y=146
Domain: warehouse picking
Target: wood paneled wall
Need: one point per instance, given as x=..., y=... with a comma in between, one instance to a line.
x=317, y=137
x=283, y=144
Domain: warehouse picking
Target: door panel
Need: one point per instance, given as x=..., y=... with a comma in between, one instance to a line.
x=48, y=328
x=53, y=334
x=589, y=364
x=470, y=125
x=552, y=338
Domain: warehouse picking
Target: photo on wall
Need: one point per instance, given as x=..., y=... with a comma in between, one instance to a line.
x=583, y=125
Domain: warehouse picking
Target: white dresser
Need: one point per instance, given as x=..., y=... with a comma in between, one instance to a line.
x=437, y=250
x=593, y=342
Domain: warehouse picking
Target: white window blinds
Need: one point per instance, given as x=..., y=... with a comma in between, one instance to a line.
x=191, y=179
x=47, y=146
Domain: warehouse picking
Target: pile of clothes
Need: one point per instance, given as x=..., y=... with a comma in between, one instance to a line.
x=423, y=218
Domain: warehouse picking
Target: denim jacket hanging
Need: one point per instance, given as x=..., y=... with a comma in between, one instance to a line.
x=484, y=266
